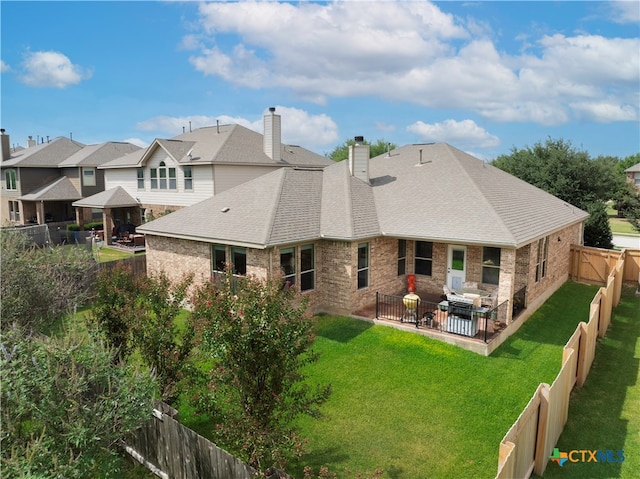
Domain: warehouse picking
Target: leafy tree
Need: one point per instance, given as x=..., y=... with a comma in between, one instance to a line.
x=259, y=339
x=341, y=152
x=40, y=285
x=572, y=176
x=137, y=314
x=65, y=405
x=597, y=232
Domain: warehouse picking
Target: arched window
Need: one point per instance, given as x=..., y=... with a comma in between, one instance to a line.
x=163, y=177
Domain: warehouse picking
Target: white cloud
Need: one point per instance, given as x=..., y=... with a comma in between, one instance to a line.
x=298, y=126
x=465, y=133
x=606, y=112
x=413, y=52
x=51, y=69
x=4, y=67
x=625, y=11
x=137, y=141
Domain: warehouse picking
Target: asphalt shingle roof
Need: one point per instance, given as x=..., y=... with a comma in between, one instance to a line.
x=59, y=190
x=113, y=198
x=224, y=144
x=44, y=155
x=431, y=192
x=96, y=155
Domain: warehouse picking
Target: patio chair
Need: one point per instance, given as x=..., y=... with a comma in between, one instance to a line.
x=491, y=300
x=470, y=284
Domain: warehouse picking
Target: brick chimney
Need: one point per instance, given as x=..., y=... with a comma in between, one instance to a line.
x=272, y=134
x=6, y=146
x=359, y=159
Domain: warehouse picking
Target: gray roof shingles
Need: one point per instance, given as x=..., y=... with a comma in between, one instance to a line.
x=113, y=198
x=223, y=144
x=450, y=196
x=59, y=190
x=44, y=155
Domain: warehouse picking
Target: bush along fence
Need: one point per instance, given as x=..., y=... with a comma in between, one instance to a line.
x=528, y=444
x=172, y=450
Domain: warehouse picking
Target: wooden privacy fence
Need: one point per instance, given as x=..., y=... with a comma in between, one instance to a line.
x=593, y=265
x=172, y=450
x=529, y=442
x=137, y=264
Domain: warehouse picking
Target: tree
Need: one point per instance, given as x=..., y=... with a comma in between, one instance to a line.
x=341, y=152
x=572, y=176
x=259, y=339
x=65, y=405
x=137, y=314
x=40, y=285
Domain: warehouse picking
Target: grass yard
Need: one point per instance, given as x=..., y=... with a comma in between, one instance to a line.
x=621, y=226
x=420, y=408
x=605, y=413
x=105, y=254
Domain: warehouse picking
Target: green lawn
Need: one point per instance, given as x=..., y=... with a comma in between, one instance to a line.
x=620, y=225
x=104, y=254
x=419, y=408
x=605, y=413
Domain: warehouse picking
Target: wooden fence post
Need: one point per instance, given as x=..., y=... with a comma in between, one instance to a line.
x=541, y=459
x=506, y=464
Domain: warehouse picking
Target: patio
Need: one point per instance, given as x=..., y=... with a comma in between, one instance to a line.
x=432, y=315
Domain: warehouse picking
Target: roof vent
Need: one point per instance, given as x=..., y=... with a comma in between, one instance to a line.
x=225, y=209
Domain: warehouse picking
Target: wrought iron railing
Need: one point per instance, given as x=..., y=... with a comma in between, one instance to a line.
x=479, y=323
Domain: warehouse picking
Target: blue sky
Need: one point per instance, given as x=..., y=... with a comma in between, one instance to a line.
x=483, y=76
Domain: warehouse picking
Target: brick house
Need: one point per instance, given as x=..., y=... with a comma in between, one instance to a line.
x=344, y=232
x=178, y=172
x=633, y=176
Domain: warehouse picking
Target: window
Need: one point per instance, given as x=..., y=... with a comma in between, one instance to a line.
x=10, y=179
x=239, y=260
x=424, y=257
x=14, y=211
x=307, y=267
x=637, y=179
x=402, y=257
x=89, y=176
x=163, y=177
x=218, y=259
x=541, y=263
x=490, y=265
x=188, y=178
x=140, y=174
x=288, y=265
x=363, y=265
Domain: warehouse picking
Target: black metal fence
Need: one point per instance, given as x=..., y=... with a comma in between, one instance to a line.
x=479, y=323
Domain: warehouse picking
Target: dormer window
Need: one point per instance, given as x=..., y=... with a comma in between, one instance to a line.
x=163, y=178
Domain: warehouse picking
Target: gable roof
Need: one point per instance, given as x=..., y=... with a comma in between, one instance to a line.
x=113, y=198
x=222, y=144
x=633, y=169
x=95, y=155
x=449, y=196
x=60, y=189
x=44, y=155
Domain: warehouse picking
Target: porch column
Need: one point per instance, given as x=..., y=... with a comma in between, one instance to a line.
x=80, y=217
x=507, y=280
x=107, y=224
x=40, y=212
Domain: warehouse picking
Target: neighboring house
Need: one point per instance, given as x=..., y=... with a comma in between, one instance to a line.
x=633, y=176
x=182, y=171
x=41, y=181
x=344, y=232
